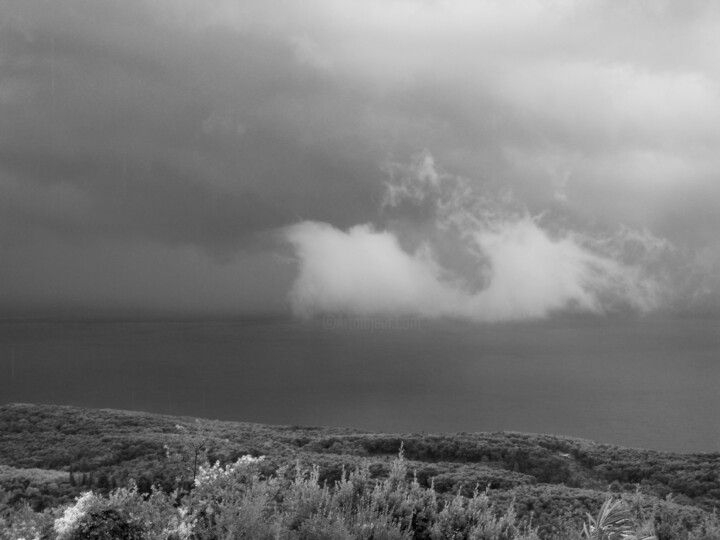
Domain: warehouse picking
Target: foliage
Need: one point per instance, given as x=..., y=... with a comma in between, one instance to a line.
x=614, y=522
x=106, y=473
x=237, y=501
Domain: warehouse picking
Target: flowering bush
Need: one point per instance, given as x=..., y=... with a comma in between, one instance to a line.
x=66, y=525
x=210, y=474
x=243, y=500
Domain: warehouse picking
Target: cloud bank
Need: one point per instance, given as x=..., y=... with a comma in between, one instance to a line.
x=517, y=269
x=195, y=130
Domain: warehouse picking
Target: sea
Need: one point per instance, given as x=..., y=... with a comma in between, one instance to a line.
x=648, y=382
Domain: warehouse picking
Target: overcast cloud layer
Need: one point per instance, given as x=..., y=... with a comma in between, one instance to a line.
x=238, y=156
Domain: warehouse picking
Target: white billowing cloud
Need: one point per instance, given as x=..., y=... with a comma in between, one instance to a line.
x=525, y=271
x=365, y=272
x=532, y=274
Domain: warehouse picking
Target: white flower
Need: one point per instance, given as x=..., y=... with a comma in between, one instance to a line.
x=210, y=474
x=248, y=460
x=180, y=527
x=184, y=530
x=65, y=525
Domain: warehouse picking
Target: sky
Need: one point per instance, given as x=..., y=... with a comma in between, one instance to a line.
x=488, y=160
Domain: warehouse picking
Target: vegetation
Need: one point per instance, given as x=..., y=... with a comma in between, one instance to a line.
x=69, y=473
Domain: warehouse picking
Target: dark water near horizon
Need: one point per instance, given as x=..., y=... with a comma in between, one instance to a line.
x=652, y=383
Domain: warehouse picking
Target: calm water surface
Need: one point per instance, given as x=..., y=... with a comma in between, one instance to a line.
x=650, y=383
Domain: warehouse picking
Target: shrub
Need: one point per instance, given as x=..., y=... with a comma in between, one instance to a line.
x=246, y=500
x=614, y=522
x=107, y=524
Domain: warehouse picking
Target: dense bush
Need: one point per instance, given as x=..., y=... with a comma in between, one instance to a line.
x=61, y=468
x=239, y=500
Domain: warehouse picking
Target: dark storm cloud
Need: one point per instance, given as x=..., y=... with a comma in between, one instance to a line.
x=195, y=130
x=125, y=127
x=174, y=135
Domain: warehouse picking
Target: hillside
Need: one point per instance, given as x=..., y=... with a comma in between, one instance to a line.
x=50, y=454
